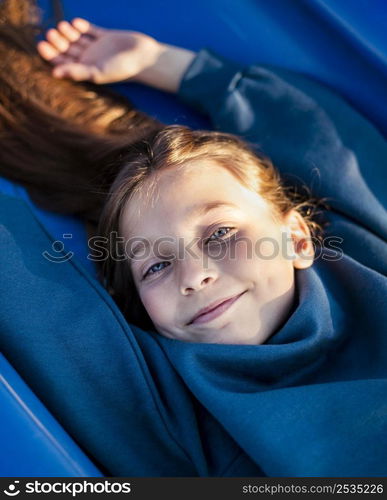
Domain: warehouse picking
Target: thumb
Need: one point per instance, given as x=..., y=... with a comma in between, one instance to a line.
x=76, y=71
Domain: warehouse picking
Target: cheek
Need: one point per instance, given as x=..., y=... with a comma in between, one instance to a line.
x=260, y=253
x=265, y=246
x=267, y=249
x=158, y=304
x=279, y=276
x=262, y=260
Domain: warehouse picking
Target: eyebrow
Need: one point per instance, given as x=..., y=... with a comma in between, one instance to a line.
x=197, y=211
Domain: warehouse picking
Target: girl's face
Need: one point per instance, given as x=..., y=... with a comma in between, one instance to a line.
x=213, y=263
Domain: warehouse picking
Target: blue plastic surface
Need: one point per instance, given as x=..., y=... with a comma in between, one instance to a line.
x=32, y=441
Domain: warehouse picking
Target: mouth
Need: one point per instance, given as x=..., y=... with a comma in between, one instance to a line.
x=212, y=312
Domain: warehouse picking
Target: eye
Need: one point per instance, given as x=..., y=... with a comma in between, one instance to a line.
x=219, y=234
x=156, y=268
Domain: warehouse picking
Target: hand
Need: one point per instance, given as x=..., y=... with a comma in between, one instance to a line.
x=82, y=51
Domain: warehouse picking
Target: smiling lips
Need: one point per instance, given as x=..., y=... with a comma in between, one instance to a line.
x=213, y=311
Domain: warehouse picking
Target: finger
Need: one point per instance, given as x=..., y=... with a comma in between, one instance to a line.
x=85, y=27
x=76, y=71
x=47, y=51
x=68, y=31
x=57, y=40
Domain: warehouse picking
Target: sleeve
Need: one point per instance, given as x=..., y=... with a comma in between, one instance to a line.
x=311, y=134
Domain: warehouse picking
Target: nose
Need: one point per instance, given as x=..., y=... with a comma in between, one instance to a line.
x=195, y=275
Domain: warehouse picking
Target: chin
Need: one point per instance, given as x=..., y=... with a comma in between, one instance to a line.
x=239, y=341
x=255, y=338
x=232, y=339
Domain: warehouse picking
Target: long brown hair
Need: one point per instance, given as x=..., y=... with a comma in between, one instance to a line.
x=58, y=137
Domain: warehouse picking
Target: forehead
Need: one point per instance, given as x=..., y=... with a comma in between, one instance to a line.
x=183, y=193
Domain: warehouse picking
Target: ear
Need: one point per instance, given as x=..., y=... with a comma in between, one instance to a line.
x=301, y=240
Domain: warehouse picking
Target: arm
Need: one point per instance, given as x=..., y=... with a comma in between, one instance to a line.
x=82, y=51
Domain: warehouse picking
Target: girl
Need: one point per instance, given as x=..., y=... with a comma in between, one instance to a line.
x=192, y=161
x=288, y=378
x=288, y=357
x=180, y=169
